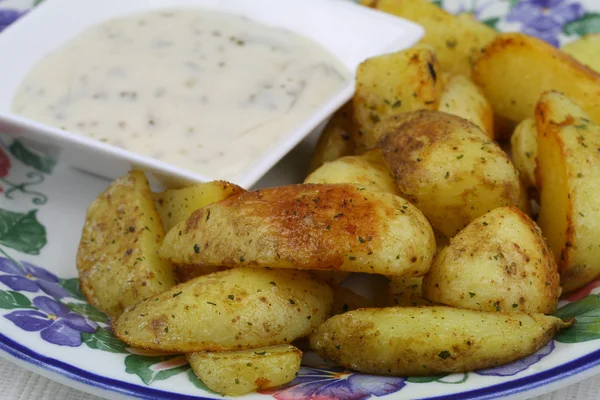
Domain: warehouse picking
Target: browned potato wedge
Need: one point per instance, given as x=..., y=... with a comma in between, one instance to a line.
x=448, y=168
x=568, y=176
x=338, y=227
x=380, y=94
x=234, y=373
x=461, y=97
x=117, y=257
x=455, y=38
x=176, y=205
x=585, y=50
x=406, y=292
x=345, y=300
x=336, y=140
x=241, y=308
x=515, y=69
x=367, y=170
x=524, y=150
x=499, y=262
x=411, y=341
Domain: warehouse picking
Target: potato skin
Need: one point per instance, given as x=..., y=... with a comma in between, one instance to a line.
x=499, y=262
x=524, y=151
x=568, y=175
x=322, y=227
x=117, y=257
x=585, y=50
x=236, y=309
x=234, y=373
x=448, y=168
x=409, y=341
x=515, y=69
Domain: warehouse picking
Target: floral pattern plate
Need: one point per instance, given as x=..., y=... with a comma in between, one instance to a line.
x=46, y=325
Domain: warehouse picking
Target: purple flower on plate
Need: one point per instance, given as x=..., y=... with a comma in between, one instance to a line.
x=55, y=322
x=331, y=384
x=519, y=365
x=545, y=18
x=30, y=279
x=7, y=17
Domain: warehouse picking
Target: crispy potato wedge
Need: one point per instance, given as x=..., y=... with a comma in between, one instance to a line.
x=455, y=38
x=448, y=168
x=568, y=177
x=367, y=170
x=414, y=341
x=499, y=262
x=524, y=150
x=117, y=256
x=237, y=309
x=337, y=227
x=336, y=140
x=234, y=373
x=176, y=205
x=515, y=69
x=380, y=94
x=406, y=292
x=461, y=97
x=585, y=50
x=345, y=300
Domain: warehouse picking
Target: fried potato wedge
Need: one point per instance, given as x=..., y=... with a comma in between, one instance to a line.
x=414, y=84
x=117, y=256
x=336, y=140
x=585, y=50
x=176, y=205
x=568, y=177
x=448, y=168
x=237, y=309
x=515, y=69
x=524, y=150
x=337, y=227
x=234, y=373
x=406, y=292
x=367, y=170
x=415, y=341
x=499, y=262
x=455, y=38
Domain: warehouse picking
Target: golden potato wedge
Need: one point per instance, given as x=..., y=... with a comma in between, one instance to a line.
x=367, y=170
x=414, y=341
x=336, y=140
x=117, y=257
x=568, y=177
x=499, y=262
x=406, y=292
x=176, y=205
x=337, y=227
x=455, y=38
x=525, y=198
x=448, y=168
x=524, y=150
x=237, y=309
x=345, y=300
x=234, y=373
x=390, y=85
x=461, y=97
x=515, y=69
x=585, y=50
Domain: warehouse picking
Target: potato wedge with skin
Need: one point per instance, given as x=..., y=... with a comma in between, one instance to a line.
x=461, y=97
x=448, y=168
x=176, y=205
x=568, y=175
x=515, y=69
x=234, y=373
x=411, y=341
x=336, y=140
x=585, y=50
x=367, y=170
x=117, y=257
x=455, y=38
x=338, y=227
x=237, y=309
x=406, y=292
x=524, y=150
x=499, y=262
x=392, y=84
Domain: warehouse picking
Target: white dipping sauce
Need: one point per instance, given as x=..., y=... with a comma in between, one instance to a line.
x=205, y=91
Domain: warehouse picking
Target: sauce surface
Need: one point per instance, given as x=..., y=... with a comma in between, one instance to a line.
x=205, y=91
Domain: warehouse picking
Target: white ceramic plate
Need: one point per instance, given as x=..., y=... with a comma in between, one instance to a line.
x=47, y=327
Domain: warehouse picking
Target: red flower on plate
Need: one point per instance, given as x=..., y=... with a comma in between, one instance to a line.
x=4, y=164
x=583, y=292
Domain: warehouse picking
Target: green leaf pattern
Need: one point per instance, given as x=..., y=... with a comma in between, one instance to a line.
x=22, y=231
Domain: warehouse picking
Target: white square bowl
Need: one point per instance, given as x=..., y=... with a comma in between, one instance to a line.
x=350, y=32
